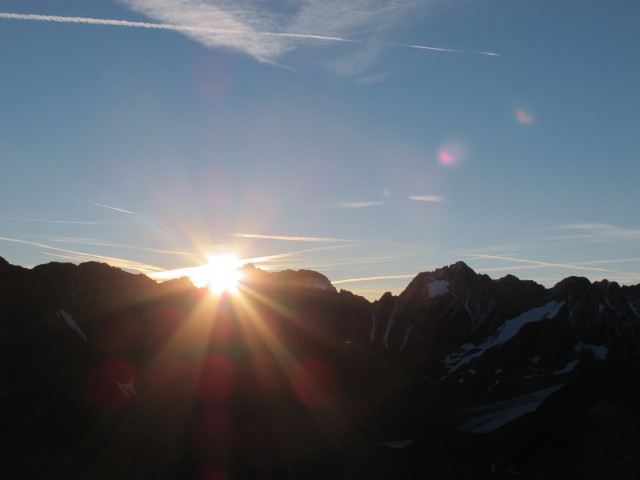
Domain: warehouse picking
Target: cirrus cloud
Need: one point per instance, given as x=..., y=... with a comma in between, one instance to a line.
x=267, y=31
x=427, y=198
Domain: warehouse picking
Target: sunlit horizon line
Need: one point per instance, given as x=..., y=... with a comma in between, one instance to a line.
x=113, y=261
x=84, y=257
x=193, y=28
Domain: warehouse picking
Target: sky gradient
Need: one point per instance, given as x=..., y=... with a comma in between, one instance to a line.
x=366, y=140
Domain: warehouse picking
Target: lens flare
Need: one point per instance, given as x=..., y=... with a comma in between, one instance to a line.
x=446, y=157
x=452, y=153
x=524, y=117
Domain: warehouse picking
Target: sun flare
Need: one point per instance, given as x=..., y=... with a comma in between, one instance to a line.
x=221, y=274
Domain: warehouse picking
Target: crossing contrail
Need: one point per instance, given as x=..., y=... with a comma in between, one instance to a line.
x=192, y=29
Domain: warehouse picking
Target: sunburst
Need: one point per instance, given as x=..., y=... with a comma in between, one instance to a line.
x=221, y=274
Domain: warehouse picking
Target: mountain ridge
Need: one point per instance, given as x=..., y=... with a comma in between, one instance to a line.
x=455, y=354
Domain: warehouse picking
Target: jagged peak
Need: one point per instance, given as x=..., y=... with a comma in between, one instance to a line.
x=607, y=283
x=460, y=267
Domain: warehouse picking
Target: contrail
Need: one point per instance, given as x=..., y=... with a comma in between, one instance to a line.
x=537, y=263
x=161, y=26
x=491, y=54
x=292, y=238
x=190, y=28
x=368, y=279
x=94, y=21
x=70, y=222
x=111, y=208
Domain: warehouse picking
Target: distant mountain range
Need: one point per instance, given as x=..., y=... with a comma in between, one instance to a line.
x=109, y=375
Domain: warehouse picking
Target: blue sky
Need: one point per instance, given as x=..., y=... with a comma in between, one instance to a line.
x=314, y=134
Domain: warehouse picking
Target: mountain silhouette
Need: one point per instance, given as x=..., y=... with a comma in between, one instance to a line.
x=108, y=374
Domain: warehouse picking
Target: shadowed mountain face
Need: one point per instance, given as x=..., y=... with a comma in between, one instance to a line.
x=106, y=374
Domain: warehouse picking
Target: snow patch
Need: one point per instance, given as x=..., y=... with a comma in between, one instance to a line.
x=513, y=326
x=127, y=388
x=374, y=324
x=510, y=329
x=600, y=352
x=387, y=331
x=467, y=352
x=437, y=288
x=71, y=322
x=488, y=417
x=407, y=335
x=634, y=309
x=401, y=443
x=569, y=367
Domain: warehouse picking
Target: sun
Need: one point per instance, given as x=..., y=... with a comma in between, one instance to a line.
x=221, y=274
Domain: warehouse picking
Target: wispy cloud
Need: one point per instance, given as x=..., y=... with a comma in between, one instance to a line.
x=110, y=208
x=290, y=238
x=451, y=50
x=427, y=198
x=266, y=34
x=533, y=263
x=66, y=222
x=356, y=261
x=207, y=24
x=336, y=203
x=617, y=260
x=599, y=232
x=101, y=243
x=359, y=204
x=372, y=79
x=369, y=279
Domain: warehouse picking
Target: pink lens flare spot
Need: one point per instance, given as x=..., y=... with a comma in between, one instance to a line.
x=446, y=158
x=214, y=437
x=111, y=385
x=524, y=117
x=314, y=383
x=216, y=382
x=452, y=153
